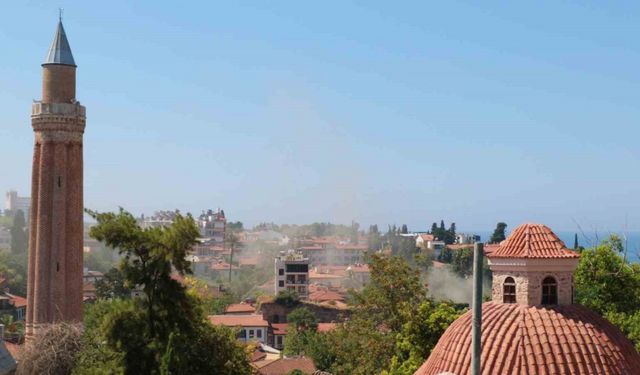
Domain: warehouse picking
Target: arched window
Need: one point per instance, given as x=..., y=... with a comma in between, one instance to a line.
x=549, y=291
x=509, y=290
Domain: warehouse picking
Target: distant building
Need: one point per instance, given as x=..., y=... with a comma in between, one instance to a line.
x=428, y=241
x=463, y=238
x=252, y=327
x=13, y=202
x=292, y=273
x=212, y=224
x=158, y=219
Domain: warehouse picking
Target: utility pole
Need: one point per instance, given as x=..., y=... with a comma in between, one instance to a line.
x=476, y=333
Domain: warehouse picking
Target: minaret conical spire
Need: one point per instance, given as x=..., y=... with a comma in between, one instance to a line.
x=60, y=51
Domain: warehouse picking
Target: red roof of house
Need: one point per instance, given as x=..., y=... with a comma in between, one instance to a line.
x=326, y=295
x=426, y=237
x=221, y=266
x=238, y=320
x=521, y=340
x=326, y=327
x=533, y=241
x=279, y=328
x=239, y=308
x=250, y=261
x=283, y=366
x=17, y=301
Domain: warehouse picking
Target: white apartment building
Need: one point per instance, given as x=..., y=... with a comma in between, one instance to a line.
x=292, y=273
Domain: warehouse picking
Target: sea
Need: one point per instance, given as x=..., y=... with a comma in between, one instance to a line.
x=630, y=239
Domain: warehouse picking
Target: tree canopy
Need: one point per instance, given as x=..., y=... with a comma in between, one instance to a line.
x=606, y=282
x=165, y=328
x=499, y=234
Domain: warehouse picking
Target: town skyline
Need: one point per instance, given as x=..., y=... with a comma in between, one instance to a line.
x=339, y=123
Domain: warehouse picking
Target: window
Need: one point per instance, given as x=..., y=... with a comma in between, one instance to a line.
x=281, y=271
x=242, y=334
x=549, y=291
x=509, y=290
x=279, y=340
x=251, y=333
x=259, y=333
x=298, y=268
x=281, y=283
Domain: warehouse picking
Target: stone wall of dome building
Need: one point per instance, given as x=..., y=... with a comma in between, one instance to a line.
x=529, y=286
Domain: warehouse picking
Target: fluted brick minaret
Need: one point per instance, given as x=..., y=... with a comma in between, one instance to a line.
x=56, y=233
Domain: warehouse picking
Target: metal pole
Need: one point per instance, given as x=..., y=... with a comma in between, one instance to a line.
x=477, y=308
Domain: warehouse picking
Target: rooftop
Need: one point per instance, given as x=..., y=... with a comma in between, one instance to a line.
x=60, y=51
x=533, y=241
x=520, y=340
x=238, y=320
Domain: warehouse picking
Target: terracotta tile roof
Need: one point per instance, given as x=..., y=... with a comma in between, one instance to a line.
x=533, y=241
x=522, y=340
x=285, y=365
x=279, y=328
x=222, y=266
x=238, y=320
x=236, y=308
x=426, y=237
x=359, y=268
x=258, y=355
x=17, y=301
x=326, y=327
x=250, y=261
x=325, y=295
x=313, y=274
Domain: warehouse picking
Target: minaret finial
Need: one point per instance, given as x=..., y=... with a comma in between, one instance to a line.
x=60, y=11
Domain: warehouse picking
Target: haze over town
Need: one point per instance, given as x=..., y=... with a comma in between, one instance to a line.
x=294, y=113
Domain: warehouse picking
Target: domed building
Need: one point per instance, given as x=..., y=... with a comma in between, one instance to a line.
x=532, y=326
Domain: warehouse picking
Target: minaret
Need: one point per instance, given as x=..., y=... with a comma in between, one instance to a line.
x=56, y=227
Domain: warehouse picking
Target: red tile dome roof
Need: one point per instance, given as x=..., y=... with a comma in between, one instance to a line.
x=533, y=241
x=521, y=340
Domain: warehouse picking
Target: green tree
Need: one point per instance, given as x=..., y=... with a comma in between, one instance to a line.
x=302, y=319
x=19, y=241
x=391, y=330
x=141, y=330
x=301, y=331
x=287, y=298
x=232, y=241
x=607, y=283
x=499, y=233
x=420, y=334
x=462, y=262
x=374, y=241
x=113, y=285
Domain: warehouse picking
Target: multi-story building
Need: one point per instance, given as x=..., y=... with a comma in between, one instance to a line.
x=292, y=273
x=13, y=203
x=212, y=224
x=159, y=219
x=334, y=254
x=251, y=327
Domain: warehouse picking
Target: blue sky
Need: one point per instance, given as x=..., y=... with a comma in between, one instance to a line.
x=378, y=112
